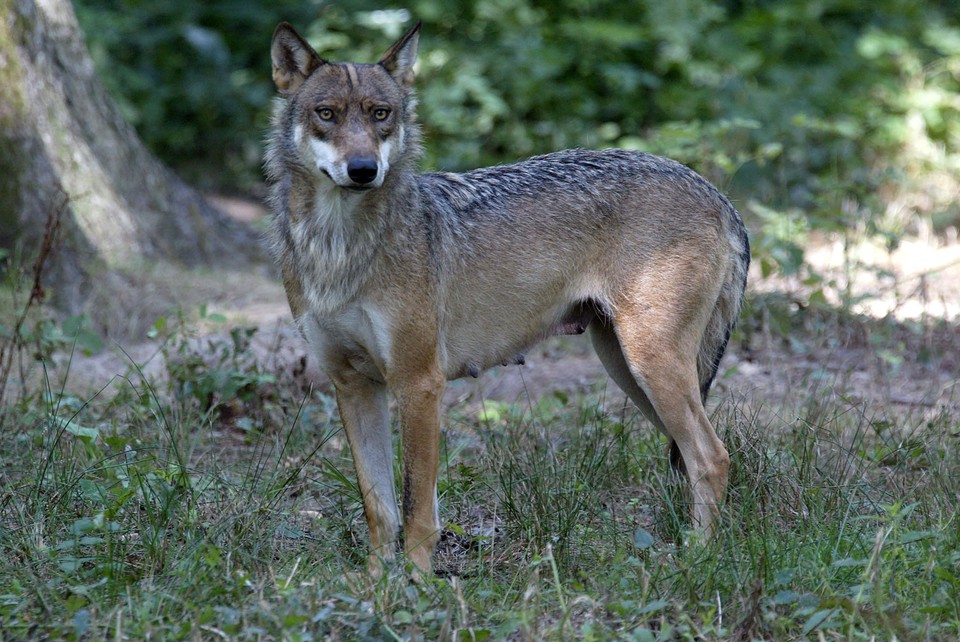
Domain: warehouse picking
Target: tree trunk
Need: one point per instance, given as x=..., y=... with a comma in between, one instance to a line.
x=62, y=140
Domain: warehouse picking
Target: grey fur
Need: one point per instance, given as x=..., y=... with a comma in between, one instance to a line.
x=426, y=277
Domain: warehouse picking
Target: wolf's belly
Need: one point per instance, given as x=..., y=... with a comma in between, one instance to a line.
x=473, y=348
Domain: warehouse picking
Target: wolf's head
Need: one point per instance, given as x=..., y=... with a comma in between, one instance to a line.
x=347, y=122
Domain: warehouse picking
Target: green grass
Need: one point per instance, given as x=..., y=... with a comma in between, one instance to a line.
x=231, y=512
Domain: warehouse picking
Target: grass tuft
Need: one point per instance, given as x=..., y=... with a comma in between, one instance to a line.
x=232, y=511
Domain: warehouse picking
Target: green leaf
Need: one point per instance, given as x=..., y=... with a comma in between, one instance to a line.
x=818, y=298
x=295, y=620
x=915, y=536
x=456, y=528
x=76, y=329
x=81, y=622
x=784, y=576
x=817, y=619
x=490, y=413
x=84, y=432
x=654, y=607
x=642, y=539
x=785, y=597
x=642, y=634
x=117, y=442
x=69, y=563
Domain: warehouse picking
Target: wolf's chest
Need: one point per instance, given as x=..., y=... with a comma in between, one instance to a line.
x=355, y=336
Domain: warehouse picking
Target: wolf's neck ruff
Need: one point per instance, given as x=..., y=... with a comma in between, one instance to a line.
x=335, y=247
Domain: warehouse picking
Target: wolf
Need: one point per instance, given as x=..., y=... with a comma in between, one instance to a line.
x=402, y=281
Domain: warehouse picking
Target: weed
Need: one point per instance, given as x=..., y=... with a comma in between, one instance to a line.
x=211, y=371
x=151, y=513
x=15, y=334
x=551, y=484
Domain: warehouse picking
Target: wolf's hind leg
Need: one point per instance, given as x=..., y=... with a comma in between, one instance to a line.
x=661, y=355
x=608, y=349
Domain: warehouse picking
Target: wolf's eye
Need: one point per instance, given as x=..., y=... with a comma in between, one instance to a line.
x=381, y=114
x=325, y=113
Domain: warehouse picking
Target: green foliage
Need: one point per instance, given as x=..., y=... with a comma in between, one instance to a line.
x=836, y=108
x=212, y=370
x=117, y=521
x=551, y=490
x=30, y=334
x=192, y=77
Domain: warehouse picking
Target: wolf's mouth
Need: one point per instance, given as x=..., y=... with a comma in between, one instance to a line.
x=357, y=189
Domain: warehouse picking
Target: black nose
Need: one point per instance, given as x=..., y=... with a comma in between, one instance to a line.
x=362, y=170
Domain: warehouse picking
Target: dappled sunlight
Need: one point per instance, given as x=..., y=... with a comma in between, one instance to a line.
x=173, y=463
x=917, y=280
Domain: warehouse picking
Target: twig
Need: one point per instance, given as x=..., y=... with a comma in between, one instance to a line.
x=10, y=347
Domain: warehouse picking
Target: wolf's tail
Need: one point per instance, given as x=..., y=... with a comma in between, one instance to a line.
x=727, y=308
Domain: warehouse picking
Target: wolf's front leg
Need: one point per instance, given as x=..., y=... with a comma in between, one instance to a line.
x=418, y=400
x=365, y=416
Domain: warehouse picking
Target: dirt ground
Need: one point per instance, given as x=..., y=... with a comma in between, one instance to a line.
x=916, y=368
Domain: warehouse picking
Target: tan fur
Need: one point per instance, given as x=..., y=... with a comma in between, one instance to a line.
x=402, y=281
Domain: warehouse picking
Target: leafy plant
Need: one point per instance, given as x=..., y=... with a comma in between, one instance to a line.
x=211, y=370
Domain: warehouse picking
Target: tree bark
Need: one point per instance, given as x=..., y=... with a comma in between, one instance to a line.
x=63, y=140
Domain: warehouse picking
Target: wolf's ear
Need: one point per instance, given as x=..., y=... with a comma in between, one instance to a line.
x=293, y=59
x=400, y=57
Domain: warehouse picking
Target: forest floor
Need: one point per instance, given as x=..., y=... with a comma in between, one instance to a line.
x=898, y=346
x=198, y=479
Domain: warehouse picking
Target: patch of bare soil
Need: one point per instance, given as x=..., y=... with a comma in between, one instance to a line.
x=902, y=353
